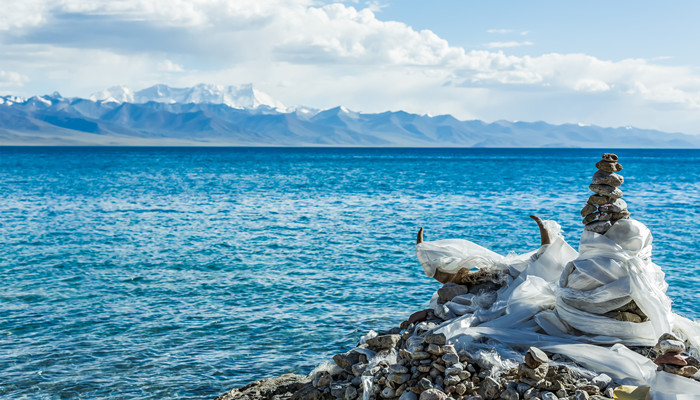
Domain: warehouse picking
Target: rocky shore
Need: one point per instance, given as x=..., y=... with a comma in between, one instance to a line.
x=410, y=363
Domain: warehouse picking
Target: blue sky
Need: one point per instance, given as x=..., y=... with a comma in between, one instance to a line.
x=597, y=62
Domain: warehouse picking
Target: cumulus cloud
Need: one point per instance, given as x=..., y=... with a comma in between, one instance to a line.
x=12, y=79
x=321, y=52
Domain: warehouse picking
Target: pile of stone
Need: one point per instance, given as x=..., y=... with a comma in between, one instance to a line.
x=606, y=206
x=671, y=357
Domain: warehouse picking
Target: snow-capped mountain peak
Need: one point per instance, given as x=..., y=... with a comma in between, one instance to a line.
x=242, y=97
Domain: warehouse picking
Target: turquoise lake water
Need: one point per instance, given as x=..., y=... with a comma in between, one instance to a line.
x=181, y=273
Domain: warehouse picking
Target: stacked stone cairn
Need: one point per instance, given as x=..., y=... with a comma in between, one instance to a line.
x=671, y=357
x=606, y=206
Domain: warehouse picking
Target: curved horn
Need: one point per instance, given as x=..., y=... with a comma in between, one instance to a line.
x=544, y=235
x=419, y=238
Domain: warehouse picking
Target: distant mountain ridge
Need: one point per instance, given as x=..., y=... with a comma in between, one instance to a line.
x=210, y=115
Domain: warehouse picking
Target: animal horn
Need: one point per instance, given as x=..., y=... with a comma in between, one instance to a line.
x=544, y=235
x=419, y=238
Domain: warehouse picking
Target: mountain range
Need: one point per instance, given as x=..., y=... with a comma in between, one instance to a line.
x=211, y=115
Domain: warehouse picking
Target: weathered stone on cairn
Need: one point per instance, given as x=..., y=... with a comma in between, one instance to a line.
x=606, y=206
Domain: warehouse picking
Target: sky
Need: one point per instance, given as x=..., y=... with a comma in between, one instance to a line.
x=609, y=63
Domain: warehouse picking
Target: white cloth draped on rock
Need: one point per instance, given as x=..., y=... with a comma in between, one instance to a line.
x=555, y=298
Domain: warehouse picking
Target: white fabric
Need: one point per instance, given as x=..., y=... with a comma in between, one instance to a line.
x=554, y=289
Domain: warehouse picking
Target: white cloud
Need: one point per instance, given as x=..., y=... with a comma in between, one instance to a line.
x=308, y=53
x=501, y=45
x=12, y=79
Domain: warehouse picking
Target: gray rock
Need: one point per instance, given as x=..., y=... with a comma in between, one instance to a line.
x=324, y=380
x=581, y=395
x=587, y=210
x=463, y=375
x=605, y=216
x=283, y=386
x=490, y=388
x=461, y=389
x=510, y=394
x=608, y=178
x=598, y=226
x=350, y=393
x=598, y=200
x=522, y=388
x=338, y=390
x=590, y=217
x=388, y=393
x=602, y=381
x=454, y=369
x=616, y=206
x=450, y=359
x=434, y=349
x=451, y=290
x=398, y=369
x=608, y=166
x=531, y=394
x=439, y=367
x=620, y=215
x=424, y=384
x=536, y=374
x=420, y=355
x=606, y=190
x=397, y=379
x=432, y=394
x=548, y=396
x=408, y=396
x=561, y=393
x=436, y=338
x=383, y=342
x=451, y=380
x=358, y=369
x=424, y=368
x=347, y=360
x=448, y=348
x=537, y=356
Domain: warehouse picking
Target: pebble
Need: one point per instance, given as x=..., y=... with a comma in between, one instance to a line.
x=490, y=388
x=450, y=359
x=607, y=166
x=398, y=369
x=610, y=157
x=621, y=215
x=408, y=396
x=548, y=396
x=388, y=393
x=451, y=290
x=534, y=357
x=451, y=380
x=383, y=342
x=454, y=370
x=670, y=358
x=581, y=395
x=420, y=355
x=510, y=394
x=606, y=190
x=398, y=379
x=590, y=218
x=607, y=178
x=350, y=393
x=598, y=200
x=617, y=205
x=436, y=338
x=602, y=381
x=587, y=210
x=598, y=226
x=671, y=346
x=439, y=367
x=448, y=348
x=605, y=216
x=433, y=394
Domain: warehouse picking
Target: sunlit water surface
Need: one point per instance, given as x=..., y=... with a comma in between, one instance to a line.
x=180, y=273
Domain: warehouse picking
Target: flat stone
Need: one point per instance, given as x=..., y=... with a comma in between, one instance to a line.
x=621, y=215
x=383, y=342
x=439, y=367
x=548, y=396
x=448, y=348
x=398, y=379
x=434, y=349
x=398, y=369
x=420, y=355
x=490, y=388
x=602, y=381
x=432, y=394
x=450, y=359
x=510, y=394
x=606, y=190
x=436, y=338
x=598, y=226
x=605, y=216
x=598, y=200
x=454, y=369
x=346, y=360
x=590, y=218
x=686, y=371
x=587, y=210
x=610, y=157
x=451, y=290
x=451, y=380
x=671, y=346
x=536, y=374
x=388, y=393
x=408, y=396
x=424, y=368
x=607, y=178
x=671, y=359
x=617, y=205
x=581, y=395
x=608, y=166
x=537, y=355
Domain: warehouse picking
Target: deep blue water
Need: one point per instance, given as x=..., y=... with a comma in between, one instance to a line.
x=180, y=273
